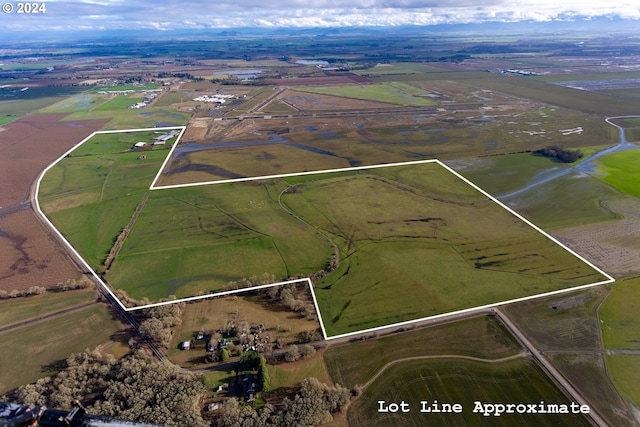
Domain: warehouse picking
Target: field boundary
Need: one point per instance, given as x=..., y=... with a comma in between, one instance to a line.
x=153, y=186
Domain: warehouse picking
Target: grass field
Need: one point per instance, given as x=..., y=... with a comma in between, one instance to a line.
x=20, y=103
x=17, y=310
x=392, y=92
x=524, y=87
x=620, y=331
x=483, y=337
x=464, y=382
x=566, y=328
x=573, y=199
x=621, y=170
x=82, y=102
x=198, y=240
x=50, y=343
x=92, y=193
x=397, y=230
x=621, y=321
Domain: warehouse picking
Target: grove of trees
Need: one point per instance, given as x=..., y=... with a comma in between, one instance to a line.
x=136, y=388
x=313, y=404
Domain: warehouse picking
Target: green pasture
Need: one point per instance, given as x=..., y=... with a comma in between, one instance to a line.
x=126, y=87
x=81, y=102
x=391, y=92
x=620, y=327
x=625, y=371
x=19, y=309
x=50, y=343
x=621, y=171
x=91, y=194
x=16, y=103
x=483, y=337
x=588, y=76
x=197, y=240
x=464, y=382
x=398, y=68
x=413, y=247
x=170, y=98
x=633, y=93
x=580, y=100
x=620, y=318
x=131, y=118
x=26, y=67
x=8, y=118
x=288, y=375
x=568, y=200
x=120, y=102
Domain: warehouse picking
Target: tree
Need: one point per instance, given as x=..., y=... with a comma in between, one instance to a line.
x=292, y=354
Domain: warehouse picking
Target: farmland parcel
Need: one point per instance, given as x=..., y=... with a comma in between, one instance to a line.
x=383, y=244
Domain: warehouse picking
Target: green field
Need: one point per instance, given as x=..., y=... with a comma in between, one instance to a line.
x=569, y=200
x=429, y=245
x=14, y=102
x=198, y=240
x=620, y=325
x=17, y=310
x=464, y=382
x=482, y=337
x=621, y=171
x=91, y=194
x=392, y=92
x=50, y=343
x=621, y=321
x=409, y=246
x=82, y=102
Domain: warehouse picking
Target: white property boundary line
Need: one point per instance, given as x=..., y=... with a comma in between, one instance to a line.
x=610, y=279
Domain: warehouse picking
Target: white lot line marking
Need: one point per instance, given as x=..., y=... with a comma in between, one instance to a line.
x=313, y=295
x=78, y=257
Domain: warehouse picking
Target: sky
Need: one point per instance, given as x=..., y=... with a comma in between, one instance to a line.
x=202, y=14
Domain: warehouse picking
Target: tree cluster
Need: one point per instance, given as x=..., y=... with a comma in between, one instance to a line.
x=135, y=388
x=157, y=323
x=254, y=361
x=160, y=321
x=294, y=298
x=71, y=284
x=560, y=154
x=296, y=352
x=33, y=290
x=68, y=285
x=312, y=405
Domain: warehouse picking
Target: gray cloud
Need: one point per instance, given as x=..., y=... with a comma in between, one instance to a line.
x=168, y=14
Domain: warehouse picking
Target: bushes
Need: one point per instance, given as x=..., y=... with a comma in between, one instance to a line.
x=33, y=290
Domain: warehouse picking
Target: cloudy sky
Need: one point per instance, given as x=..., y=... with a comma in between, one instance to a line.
x=194, y=14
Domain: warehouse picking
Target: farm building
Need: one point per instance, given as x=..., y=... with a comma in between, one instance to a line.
x=186, y=345
x=140, y=145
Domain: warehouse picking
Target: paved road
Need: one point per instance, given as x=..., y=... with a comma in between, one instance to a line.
x=551, y=370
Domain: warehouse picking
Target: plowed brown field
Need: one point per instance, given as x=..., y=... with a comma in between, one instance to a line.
x=29, y=256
